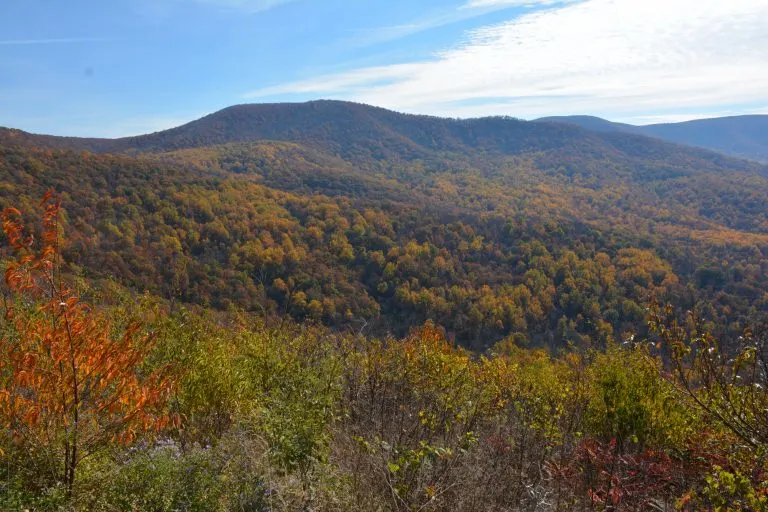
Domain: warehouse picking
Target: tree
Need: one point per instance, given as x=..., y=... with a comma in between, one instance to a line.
x=71, y=382
x=728, y=385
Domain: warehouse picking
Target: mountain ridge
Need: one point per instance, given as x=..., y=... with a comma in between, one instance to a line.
x=345, y=128
x=744, y=136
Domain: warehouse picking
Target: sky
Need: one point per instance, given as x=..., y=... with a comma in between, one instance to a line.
x=125, y=67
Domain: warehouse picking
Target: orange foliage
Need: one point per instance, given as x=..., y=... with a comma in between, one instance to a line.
x=69, y=384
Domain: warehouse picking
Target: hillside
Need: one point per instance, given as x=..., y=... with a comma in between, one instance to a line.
x=739, y=136
x=352, y=215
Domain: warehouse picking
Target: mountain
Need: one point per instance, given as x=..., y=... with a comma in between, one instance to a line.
x=739, y=136
x=357, y=216
x=350, y=129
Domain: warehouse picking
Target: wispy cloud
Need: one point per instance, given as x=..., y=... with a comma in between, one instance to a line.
x=95, y=126
x=251, y=6
x=65, y=40
x=610, y=57
x=691, y=116
x=394, y=32
x=467, y=11
x=352, y=82
x=674, y=118
x=476, y=4
x=135, y=126
x=161, y=11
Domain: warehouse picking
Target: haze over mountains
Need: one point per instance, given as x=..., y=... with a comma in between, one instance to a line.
x=350, y=215
x=740, y=136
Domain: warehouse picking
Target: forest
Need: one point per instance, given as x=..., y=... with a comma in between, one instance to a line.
x=270, y=309
x=134, y=405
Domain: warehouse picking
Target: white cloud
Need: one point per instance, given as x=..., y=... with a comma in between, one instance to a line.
x=620, y=58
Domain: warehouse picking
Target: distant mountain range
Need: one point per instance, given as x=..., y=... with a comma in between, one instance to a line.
x=740, y=136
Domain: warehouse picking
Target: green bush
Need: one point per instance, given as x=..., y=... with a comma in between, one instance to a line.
x=631, y=403
x=164, y=479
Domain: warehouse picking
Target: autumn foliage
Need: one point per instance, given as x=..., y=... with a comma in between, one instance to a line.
x=71, y=382
x=301, y=417
x=558, y=247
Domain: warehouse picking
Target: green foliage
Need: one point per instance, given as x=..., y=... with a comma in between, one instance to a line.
x=734, y=492
x=162, y=480
x=16, y=495
x=213, y=391
x=632, y=405
x=280, y=385
x=165, y=478
x=294, y=381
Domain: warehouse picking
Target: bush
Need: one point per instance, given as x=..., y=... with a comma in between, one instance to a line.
x=631, y=404
x=164, y=478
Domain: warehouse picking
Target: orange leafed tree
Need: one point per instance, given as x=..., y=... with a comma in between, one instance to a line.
x=71, y=384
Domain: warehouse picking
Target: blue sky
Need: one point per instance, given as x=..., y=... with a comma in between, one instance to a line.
x=124, y=67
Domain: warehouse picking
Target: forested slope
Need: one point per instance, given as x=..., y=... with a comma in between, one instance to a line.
x=553, y=237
